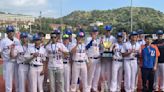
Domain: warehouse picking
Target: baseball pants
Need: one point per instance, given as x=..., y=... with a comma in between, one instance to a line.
x=67, y=77
x=11, y=73
x=117, y=73
x=35, y=79
x=56, y=80
x=159, y=74
x=94, y=74
x=23, y=76
x=79, y=69
x=130, y=69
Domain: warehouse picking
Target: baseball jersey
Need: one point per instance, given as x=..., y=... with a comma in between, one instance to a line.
x=20, y=52
x=80, y=54
x=134, y=47
x=117, y=51
x=141, y=42
x=40, y=58
x=149, y=55
x=54, y=55
x=93, y=47
x=5, y=45
x=67, y=58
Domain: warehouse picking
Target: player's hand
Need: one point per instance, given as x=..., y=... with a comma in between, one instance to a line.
x=35, y=54
x=130, y=51
x=12, y=46
x=60, y=50
x=42, y=72
x=154, y=68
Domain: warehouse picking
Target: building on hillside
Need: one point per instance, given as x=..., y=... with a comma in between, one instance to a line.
x=97, y=23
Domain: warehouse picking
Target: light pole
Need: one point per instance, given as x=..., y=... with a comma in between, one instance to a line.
x=131, y=14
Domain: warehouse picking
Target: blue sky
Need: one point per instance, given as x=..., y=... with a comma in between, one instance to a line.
x=52, y=8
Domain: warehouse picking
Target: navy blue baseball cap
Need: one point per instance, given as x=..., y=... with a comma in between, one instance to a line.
x=119, y=34
x=68, y=31
x=56, y=31
x=95, y=29
x=36, y=37
x=140, y=31
x=133, y=33
x=108, y=27
x=23, y=35
x=159, y=32
x=10, y=29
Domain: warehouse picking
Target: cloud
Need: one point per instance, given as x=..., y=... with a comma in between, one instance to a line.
x=23, y=3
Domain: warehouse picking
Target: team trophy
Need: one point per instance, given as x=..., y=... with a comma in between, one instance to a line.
x=107, y=53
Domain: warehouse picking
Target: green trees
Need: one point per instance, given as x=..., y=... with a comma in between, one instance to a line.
x=147, y=19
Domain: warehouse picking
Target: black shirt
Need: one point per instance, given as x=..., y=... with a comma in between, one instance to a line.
x=160, y=44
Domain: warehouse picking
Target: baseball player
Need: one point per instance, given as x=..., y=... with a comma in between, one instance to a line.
x=67, y=64
x=94, y=69
x=117, y=64
x=106, y=57
x=36, y=56
x=79, y=67
x=71, y=38
x=130, y=53
x=141, y=39
x=23, y=69
x=160, y=67
x=10, y=67
x=56, y=50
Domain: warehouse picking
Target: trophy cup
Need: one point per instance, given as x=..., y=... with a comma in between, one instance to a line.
x=107, y=53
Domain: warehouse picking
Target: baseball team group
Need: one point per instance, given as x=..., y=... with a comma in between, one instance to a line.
x=94, y=63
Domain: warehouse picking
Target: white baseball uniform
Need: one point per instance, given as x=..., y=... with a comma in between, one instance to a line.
x=55, y=66
x=117, y=68
x=67, y=70
x=95, y=64
x=79, y=67
x=130, y=65
x=23, y=67
x=10, y=67
x=106, y=68
x=36, y=67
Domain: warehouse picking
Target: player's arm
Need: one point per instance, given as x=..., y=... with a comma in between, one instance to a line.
x=13, y=55
x=30, y=56
x=157, y=55
x=64, y=50
x=44, y=59
x=125, y=52
x=73, y=50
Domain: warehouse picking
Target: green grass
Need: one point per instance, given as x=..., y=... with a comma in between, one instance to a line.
x=1, y=70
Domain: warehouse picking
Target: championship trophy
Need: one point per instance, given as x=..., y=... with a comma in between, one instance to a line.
x=107, y=53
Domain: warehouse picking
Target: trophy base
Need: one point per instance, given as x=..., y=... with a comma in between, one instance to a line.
x=107, y=55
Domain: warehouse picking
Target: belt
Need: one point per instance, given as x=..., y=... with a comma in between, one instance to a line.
x=119, y=60
x=130, y=59
x=65, y=62
x=35, y=65
x=24, y=63
x=94, y=57
x=80, y=61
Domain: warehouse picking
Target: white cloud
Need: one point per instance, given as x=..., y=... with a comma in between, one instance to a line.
x=49, y=8
x=22, y=3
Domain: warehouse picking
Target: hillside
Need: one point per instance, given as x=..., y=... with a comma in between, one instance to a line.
x=145, y=18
